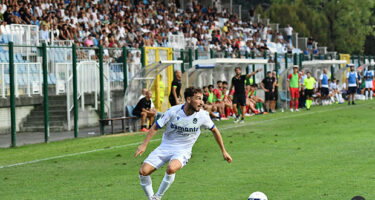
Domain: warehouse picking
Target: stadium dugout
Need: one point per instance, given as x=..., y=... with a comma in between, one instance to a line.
x=144, y=78
x=206, y=72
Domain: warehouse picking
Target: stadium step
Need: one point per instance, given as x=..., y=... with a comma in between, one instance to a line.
x=41, y=129
x=41, y=123
x=57, y=116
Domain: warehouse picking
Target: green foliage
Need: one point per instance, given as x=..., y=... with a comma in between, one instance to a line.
x=341, y=25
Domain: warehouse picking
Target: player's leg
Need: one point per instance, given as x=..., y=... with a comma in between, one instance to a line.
x=143, y=120
x=296, y=96
x=151, y=117
x=235, y=102
x=173, y=166
x=145, y=179
x=292, y=98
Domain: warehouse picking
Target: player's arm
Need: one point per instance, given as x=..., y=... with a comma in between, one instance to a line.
x=262, y=86
x=347, y=82
x=230, y=90
x=274, y=86
x=174, y=93
x=219, y=141
x=253, y=73
x=356, y=79
x=320, y=82
x=182, y=99
x=142, y=148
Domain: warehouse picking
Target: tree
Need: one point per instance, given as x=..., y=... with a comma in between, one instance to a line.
x=341, y=25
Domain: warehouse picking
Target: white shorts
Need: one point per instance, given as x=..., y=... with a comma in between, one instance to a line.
x=159, y=157
x=368, y=84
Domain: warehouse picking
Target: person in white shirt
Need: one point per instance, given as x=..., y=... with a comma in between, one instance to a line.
x=289, y=33
x=183, y=127
x=332, y=87
x=369, y=76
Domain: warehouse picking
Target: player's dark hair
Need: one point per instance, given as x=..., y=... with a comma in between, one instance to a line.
x=204, y=87
x=308, y=72
x=219, y=82
x=225, y=83
x=237, y=68
x=210, y=86
x=191, y=91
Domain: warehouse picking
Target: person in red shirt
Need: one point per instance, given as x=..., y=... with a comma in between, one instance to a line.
x=219, y=96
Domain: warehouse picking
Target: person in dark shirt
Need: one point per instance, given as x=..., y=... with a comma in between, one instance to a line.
x=239, y=96
x=268, y=85
x=143, y=110
x=276, y=92
x=175, y=95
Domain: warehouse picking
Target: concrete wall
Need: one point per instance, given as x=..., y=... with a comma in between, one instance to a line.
x=21, y=113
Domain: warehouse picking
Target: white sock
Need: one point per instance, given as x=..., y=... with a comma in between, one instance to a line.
x=337, y=97
x=371, y=94
x=333, y=99
x=164, y=185
x=366, y=94
x=146, y=184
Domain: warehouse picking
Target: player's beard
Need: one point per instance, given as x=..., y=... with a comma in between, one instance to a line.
x=194, y=109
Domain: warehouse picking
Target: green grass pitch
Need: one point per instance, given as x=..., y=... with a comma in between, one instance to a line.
x=326, y=153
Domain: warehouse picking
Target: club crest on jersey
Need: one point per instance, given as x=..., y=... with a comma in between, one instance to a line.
x=195, y=120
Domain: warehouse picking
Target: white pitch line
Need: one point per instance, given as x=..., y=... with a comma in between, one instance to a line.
x=132, y=144
x=73, y=154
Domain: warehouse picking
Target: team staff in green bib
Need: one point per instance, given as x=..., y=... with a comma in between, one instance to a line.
x=294, y=86
x=308, y=85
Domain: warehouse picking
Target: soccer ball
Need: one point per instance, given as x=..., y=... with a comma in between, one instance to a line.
x=257, y=196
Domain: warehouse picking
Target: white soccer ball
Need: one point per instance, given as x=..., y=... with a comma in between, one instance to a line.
x=257, y=196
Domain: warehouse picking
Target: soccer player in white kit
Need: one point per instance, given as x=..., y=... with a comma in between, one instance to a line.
x=369, y=76
x=182, y=130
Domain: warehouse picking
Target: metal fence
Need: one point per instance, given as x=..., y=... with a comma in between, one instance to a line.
x=62, y=88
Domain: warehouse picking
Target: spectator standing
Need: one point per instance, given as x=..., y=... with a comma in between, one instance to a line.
x=289, y=34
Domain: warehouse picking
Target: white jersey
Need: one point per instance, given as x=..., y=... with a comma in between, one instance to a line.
x=332, y=86
x=182, y=131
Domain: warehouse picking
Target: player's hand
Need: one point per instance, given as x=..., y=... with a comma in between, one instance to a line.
x=266, y=90
x=141, y=149
x=227, y=157
x=288, y=89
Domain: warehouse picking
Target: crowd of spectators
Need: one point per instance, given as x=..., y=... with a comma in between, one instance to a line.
x=137, y=23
